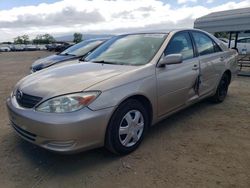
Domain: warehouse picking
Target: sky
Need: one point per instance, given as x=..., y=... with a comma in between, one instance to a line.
x=61, y=17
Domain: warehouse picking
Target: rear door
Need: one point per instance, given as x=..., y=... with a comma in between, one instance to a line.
x=175, y=83
x=210, y=57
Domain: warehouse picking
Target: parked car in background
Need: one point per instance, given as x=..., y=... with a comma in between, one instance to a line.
x=74, y=52
x=51, y=47
x=30, y=47
x=5, y=49
x=58, y=47
x=18, y=47
x=12, y=47
x=62, y=47
x=243, y=44
x=41, y=47
x=128, y=83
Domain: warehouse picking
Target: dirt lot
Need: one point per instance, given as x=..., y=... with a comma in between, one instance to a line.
x=206, y=145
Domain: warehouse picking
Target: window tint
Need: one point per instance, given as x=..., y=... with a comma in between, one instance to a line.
x=180, y=44
x=204, y=44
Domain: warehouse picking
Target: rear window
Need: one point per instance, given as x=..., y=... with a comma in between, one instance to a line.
x=204, y=44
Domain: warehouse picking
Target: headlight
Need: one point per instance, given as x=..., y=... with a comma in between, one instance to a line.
x=68, y=103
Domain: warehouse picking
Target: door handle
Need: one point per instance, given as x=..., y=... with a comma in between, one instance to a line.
x=195, y=67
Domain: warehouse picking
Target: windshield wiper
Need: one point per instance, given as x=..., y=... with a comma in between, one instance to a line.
x=68, y=54
x=105, y=62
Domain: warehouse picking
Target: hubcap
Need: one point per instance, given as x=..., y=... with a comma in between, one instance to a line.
x=131, y=128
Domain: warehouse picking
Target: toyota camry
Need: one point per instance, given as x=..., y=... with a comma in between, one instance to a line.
x=127, y=84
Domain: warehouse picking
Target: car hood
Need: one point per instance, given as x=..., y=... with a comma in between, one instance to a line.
x=50, y=60
x=70, y=78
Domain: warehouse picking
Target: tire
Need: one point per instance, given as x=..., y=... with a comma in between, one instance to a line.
x=127, y=127
x=222, y=90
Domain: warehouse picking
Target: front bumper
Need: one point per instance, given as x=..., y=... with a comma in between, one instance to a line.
x=65, y=133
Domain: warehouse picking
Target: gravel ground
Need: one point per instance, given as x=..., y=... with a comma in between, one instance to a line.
x=206, y=145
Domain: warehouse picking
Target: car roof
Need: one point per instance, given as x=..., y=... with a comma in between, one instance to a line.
x=96, y=39
x=146, y=32
x=162, y=31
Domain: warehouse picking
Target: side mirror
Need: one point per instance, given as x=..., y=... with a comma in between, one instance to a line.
x=170, y=59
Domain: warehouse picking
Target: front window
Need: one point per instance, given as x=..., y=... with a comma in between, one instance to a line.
x=134, y=49
x=181, y=44
x=81, y=48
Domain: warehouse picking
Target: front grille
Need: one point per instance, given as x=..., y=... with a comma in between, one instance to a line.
x=24, y=133
x=27, y=101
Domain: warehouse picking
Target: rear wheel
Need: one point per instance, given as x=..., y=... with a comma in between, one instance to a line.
x=127, y=127
x=222, y=89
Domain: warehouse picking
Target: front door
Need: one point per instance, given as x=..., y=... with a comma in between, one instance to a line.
x=176, y=83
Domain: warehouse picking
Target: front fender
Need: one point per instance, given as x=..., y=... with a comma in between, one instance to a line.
x=115, y=96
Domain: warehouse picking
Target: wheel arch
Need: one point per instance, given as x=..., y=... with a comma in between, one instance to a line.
x=146, y=103
x=143, y=100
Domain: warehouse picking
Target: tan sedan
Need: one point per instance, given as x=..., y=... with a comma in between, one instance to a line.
x=127, y=84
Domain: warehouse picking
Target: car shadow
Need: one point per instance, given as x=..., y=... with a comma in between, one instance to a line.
x=65, y=163
x=182, y=115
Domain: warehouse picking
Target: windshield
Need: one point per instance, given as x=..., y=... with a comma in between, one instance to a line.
x=134, y=49
x=81, y=48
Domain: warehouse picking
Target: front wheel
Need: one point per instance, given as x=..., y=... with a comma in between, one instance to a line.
x=222, y=89
x=127, y=127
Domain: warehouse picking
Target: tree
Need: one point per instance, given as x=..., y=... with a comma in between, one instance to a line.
x=44, y=39
x=24, y=39
x=38, y=39
x=77, y=37
x=48, y=38
x=18, y=40
x=221, y=35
